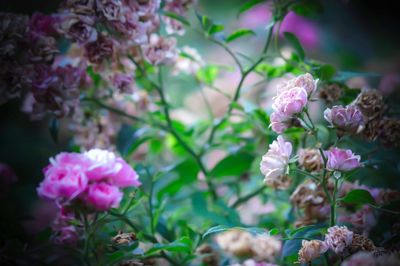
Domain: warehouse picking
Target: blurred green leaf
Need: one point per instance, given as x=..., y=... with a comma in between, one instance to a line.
x=222, y=228
x=307, y=8
x=238, y=34
x=326, y=72
x=208, y=74
x=290, y=37
x=216, y=28
x=248, y=5
x=177, y=17
x=358, y=197
x=233, y=165
x=54, y=126
x=183, y=245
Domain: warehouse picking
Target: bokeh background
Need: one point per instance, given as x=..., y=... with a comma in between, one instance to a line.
x=359, y=36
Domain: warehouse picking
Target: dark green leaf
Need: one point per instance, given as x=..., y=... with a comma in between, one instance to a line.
x=177, y=17
x=238, y=34
x=233, y=165
x=358, y=197
x=290, y=37
x=307, y=8
x=249, y=4
x=326, y=72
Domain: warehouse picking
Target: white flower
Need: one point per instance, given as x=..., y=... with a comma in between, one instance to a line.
x=274, y=164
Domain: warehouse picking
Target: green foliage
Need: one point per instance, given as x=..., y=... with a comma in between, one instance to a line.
x=233, y=165
x=358, y=197
x=239, y=34
x=292, y=39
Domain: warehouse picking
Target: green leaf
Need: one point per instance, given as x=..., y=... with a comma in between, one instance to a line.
x=274, y=231
x=248, y=5
x=238, y=34
x=216, y=28
x=177, y=17
x=358, y=197
x=290, y=37
x=233, y=165
x=326, y=72
x=208, y=74
x=183, y=244
x=307, y=8
x=206, y=23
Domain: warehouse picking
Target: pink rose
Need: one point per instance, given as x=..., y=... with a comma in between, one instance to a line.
x=126, y=177
x=338, y=238
x=279, y=122
x=291, y=101
x=342, y=160
x=347, y=118
x=65, y=177
x=103, y=164
x=103, y=196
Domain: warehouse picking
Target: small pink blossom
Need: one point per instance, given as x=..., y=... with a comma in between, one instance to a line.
x=103, y=196
x=342, y=160
x=160, y=50
x=347, y=119
x=123, y=82
x=65, y=177
x=338, y=238
x=291, y=101
x=279, y=122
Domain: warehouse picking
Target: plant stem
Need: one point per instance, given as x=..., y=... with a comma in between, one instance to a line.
x=333, y=204
x=87, y=240
x=245, y=198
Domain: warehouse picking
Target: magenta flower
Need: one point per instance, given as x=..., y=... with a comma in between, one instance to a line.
x=126, y=176
x=342, y=160
x=103, y=196
x=103, y=164
x=348, y=119
x=65, y=177
x=291, y=101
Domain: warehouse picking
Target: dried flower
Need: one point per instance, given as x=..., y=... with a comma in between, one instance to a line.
x=310, y=159
x=370, y=103
x=160, y=50
x=331, y=93
x=99, y=50
x=274, y=164
x=124, y=238
x=346, y=119
x=342, y=160
x=311, y=250
x=389, y=132
x=307, y=193
x=361, y=243
x=338, y=238
x=123, y=82
x=78, y=28
x=209, y=256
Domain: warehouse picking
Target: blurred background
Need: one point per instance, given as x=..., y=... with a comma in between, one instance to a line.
x=352, y=35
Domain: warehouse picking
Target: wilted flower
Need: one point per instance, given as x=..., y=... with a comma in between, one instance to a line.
x=310, y=159
x=99, y=50
x=209, y=255
x=361, y=258
x=160, y=50
x=103, y=196
x=370, y=103
x=361, y=243
x=311, y=250
x=338, y=238
x=274, y=164
x=78, y=28
x=345, y=119
x=330, y=93
x=123, y=82
x=342, y=160
x=307, y=193
x=13, y=29
x=389, y=132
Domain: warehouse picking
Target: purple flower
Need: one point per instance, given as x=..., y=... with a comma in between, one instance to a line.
x=347, y=119
x=99, y=50
x=342, y=160
x=160, y=50
x=79, y=28
x=43, y=24
x=123, y=82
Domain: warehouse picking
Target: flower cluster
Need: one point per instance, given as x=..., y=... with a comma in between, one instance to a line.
x=274, y=164
x=93, y=177
x=345, y=119
x=290, y=101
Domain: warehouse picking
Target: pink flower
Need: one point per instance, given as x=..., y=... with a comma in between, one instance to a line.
x=342, y=160
x=65, y=177
x=126, y=177
x=303, y=28
x=362, y=220
x=160, y=50
x=103, y=164
x=348, y=119
x=103, y=196
x=274, y=163
x=291, y=101
x=338, y=238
